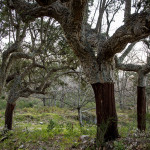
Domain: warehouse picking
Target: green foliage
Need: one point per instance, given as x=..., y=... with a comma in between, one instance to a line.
x=28, y=117
x=28, y=129
x=127, y=128
x=23, y=103
x=148, y=117
x=2, y=97
x=124, y=130
x=2, y=104
x=69, y=127
x=147, y=146
x=51, y=125
x=148, y=120
x=4, y=18
x=56, y=128
x=101, y=130
x=119, y=145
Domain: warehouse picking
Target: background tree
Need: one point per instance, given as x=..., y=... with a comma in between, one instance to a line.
x=142, y=71
x=78, y=95
x=13, y=32
x=124, y=84
x=26, y=78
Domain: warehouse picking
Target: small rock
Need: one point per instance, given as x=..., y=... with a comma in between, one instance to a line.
x=41, y=122
x=92, y=141
x=84, y=142
x=84, y=137
x=131, y=146
x=83, y=147
x=14, y=140
x=21, y=146
x=135, y=143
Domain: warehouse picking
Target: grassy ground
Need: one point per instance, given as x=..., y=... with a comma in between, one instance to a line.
x=44, y=128
x=51, y=128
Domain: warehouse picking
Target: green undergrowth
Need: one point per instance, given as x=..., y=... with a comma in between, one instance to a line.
x=48, y=127
x=53, y=128
x=2, y=103
x=126, y=122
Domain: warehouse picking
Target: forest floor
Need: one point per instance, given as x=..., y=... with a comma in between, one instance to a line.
x=53, y=128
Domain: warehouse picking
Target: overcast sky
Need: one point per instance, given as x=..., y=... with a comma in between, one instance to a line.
x=118, y=20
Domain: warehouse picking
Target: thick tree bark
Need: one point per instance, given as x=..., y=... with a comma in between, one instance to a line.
x=9, y=115
x=141, y=108
x=106, y=112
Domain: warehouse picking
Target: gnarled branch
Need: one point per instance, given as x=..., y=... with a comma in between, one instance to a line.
x=136, y=28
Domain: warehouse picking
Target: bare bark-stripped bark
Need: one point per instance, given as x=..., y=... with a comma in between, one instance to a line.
x=105, y=111
x=9, y=115
x=141, y=101
x=12, y=97
x=141, y=108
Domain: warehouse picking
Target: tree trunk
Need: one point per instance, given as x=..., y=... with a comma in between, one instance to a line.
x=121, y=103
x=62, y=101
x=106, y=112
x=147, y=98
x=141, y=108
x=44, y=101
x=50, y=102
x=54, y=99
x=80, y=116
x=9, y=115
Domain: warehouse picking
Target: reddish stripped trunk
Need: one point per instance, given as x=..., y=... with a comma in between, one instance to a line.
x=141, y=108
x=106, y=111
x=9, y=115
